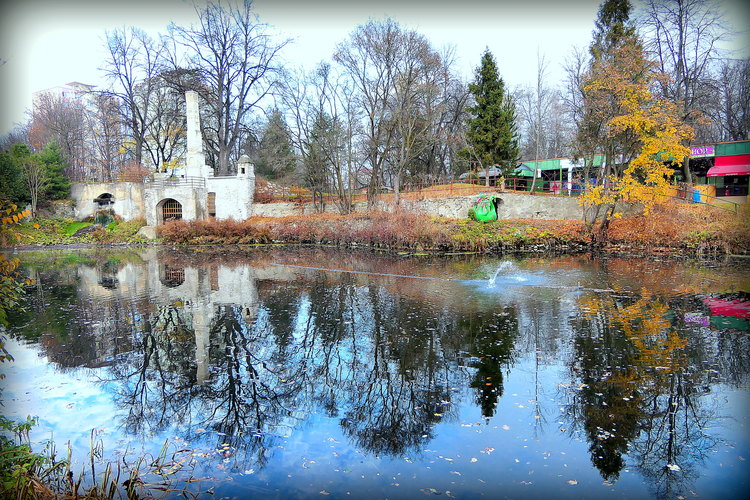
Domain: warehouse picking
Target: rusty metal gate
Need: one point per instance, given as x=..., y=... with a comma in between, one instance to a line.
x=212, y=204
x=171, y=210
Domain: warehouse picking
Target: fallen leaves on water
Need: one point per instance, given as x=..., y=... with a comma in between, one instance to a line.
x=430, y=491
x=572, y=481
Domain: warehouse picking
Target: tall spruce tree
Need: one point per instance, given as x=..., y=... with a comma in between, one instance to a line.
x=275, y=157
x=612, y=32
x=613, y=28
x=492, y=134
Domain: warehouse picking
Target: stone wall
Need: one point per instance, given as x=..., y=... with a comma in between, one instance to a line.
x=510, y=206
x=234, y=196
x=128, y=198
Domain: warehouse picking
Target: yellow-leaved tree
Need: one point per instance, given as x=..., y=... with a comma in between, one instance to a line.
x=639, y=134
x=10, y=286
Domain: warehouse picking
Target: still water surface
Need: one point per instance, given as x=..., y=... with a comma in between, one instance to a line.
x=297, y=373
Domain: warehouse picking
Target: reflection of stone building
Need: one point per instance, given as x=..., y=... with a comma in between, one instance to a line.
x=193, y=193
x=196, y=292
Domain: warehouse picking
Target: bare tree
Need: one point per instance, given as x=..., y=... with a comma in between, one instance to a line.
x=576, y=67
x=441, y=159
x=133, y=63
x=337, y=114
x=535, y=106
x=368, y=57
x=165, y=139
x=36, y=178
x=323, y=126
x=414, y=107
x=19, y=134
x=684, y=36
x=733, y=110
x=560, y=131
x=63, y=120
x=103, y=122
x=234, y=57
x=402, y=87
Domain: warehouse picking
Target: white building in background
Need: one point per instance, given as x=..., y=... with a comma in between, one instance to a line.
x=190, y=193
x=73, y=91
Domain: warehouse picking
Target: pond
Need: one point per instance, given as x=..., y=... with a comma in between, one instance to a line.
x=313, y=372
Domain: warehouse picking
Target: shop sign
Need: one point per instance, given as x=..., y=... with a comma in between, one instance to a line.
x=701, y=151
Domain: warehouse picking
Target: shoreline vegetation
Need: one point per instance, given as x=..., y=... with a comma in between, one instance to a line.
x=669, y=228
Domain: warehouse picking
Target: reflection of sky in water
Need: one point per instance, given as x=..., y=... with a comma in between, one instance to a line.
x=518, y=330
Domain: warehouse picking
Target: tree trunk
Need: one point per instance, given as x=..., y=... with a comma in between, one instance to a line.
x=602, y=232
x=686, y=170
x=397, y=188
x=223, y=167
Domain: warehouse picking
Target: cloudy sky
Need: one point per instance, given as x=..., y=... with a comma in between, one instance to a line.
x=44, y=43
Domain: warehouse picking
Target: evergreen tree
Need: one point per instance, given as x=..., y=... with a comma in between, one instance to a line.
x=320, y=150
x=613, y=28
x=275, y=157
x=492, y=133
x=58, y=186
x=12, y=187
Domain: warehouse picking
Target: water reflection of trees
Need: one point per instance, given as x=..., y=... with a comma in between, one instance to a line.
x=386, y=365
x=376, y=360
x=74, y=331
x=384, y=356
x=640, y=387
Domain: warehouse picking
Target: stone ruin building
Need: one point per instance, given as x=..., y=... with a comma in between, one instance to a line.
x=193, y=194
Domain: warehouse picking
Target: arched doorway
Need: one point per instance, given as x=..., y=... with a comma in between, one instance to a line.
x=169, y=209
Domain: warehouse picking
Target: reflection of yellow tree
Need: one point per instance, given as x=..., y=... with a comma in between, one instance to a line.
x=646, y=324
x=652, y=376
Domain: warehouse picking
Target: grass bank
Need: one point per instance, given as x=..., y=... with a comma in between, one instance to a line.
x=47, y=232
x=669, y=228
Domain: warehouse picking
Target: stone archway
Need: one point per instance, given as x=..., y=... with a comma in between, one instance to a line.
x=104, y=201
x=104, y=211
x=168, y=209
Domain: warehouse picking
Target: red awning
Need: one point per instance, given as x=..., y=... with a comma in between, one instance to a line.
x=733, y=308
x=730, y=165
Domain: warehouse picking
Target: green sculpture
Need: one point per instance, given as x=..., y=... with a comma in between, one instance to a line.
x=484, y=208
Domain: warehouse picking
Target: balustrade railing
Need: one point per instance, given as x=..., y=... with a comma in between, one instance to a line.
x=188, y=182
